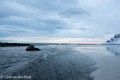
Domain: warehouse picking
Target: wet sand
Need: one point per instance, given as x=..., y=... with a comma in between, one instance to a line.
x=67, y=64
x=107, y=60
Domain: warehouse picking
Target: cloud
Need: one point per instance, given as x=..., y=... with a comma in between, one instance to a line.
x=58, y=19
x=75, y=13
x=52, y=40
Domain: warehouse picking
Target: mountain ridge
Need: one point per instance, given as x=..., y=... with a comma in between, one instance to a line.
x=114, y=40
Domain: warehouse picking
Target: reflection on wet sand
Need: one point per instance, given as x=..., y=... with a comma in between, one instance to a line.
x=114, y=49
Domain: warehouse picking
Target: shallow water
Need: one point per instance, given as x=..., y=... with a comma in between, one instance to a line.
x=52, y=63
x=107, y=59
x=63, y=62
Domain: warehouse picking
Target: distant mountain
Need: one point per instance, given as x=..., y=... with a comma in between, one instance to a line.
x=114, y=40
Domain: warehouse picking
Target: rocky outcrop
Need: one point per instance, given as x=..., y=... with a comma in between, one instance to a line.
x=32, y=48
x=114, y=40
x=13, y=44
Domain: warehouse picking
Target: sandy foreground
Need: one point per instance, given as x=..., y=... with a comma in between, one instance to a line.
x=52, y=63
x=55, y=62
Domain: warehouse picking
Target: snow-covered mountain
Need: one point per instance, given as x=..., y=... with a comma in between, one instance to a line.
x=114, y=40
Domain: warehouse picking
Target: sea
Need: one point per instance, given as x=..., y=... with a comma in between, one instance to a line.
x=61, y=62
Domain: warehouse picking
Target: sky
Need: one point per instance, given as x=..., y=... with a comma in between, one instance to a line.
x=59, y=21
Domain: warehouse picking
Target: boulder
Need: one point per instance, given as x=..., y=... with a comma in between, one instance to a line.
x=32, y=48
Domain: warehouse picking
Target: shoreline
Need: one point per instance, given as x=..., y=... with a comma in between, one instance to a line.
x=13, y=44
x=58, y=64
x=28, y=44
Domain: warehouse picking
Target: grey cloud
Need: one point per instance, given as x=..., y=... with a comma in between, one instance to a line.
x=83, y=29
x=35, y=19
x=50, y=6
x=74, y=12
x=59, y=18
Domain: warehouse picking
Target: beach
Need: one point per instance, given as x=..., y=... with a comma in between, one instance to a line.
x=60, y=62
x=107, y=59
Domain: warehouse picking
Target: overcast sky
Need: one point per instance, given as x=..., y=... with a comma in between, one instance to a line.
x=63, y=21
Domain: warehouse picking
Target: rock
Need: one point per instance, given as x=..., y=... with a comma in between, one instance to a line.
x=13, y=44
x=32, y=48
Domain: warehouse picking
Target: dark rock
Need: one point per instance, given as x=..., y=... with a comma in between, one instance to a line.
x=32, y=48
x=13, y=44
